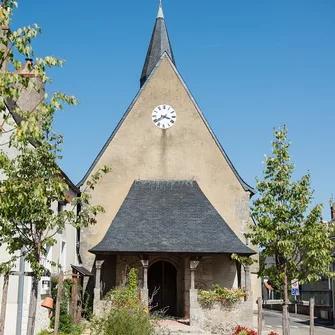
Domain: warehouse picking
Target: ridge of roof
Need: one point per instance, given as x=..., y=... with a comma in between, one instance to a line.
x=245, y=186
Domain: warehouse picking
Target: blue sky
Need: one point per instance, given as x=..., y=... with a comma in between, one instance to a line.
x=251, y=65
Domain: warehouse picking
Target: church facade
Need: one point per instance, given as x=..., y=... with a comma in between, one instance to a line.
x=175, y=206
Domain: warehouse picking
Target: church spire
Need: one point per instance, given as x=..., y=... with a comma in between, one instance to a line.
x=159, y=44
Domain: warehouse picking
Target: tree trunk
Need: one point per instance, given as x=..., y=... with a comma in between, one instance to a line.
x=32, y=306
x=286, y=318
x=58, y=301
x=4, y=303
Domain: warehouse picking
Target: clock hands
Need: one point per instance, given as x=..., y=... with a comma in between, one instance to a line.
x=163, y=117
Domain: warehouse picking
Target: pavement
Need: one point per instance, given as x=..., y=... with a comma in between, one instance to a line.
x=299, y=324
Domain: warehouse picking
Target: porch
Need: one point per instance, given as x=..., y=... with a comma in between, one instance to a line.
x=169, y=283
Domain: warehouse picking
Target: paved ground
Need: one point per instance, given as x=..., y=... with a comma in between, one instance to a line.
x=299, y=324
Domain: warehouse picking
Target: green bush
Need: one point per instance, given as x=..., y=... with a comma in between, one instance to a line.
x=48, y=332
x=127, y=315
x=222, y=295
x=124, y=321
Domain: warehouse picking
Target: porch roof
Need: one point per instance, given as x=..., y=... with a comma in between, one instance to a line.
x=169, y=217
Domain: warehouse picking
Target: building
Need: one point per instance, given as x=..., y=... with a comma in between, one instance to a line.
x=175, y=206
x=64, y=252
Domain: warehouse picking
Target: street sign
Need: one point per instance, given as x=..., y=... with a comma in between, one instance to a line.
x=295, y=291
x=295, y=287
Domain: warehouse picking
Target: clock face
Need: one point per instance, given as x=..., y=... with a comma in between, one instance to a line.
x=164, y=116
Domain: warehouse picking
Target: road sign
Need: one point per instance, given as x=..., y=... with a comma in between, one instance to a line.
x=295, y=287
x=295, y=291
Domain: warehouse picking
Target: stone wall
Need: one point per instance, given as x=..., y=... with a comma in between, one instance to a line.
x=220, y=319
x=204, y=274
x=124, y=264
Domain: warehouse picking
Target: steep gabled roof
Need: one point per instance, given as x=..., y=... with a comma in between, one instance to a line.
x=169, y=216
x=159, y=44
x=245, y=186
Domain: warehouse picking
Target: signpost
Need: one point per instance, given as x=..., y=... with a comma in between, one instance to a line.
x=295, y=292
x=295, y=287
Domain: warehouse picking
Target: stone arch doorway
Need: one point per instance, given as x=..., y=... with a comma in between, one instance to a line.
x=162, y=275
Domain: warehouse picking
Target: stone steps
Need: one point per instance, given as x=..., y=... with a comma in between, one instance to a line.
x=173, y=327
x=192, y=331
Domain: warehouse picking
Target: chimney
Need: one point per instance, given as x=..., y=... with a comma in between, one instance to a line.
x=332, y=211
x=31, y=96
x=25, y=72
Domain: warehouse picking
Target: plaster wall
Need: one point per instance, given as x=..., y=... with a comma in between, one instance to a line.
x=225, y=272
x=140, y=150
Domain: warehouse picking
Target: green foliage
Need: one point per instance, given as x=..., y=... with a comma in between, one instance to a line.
x=31, y=180
x=127, y=296
x=66, y=325
x=289, y=229
x=127, y=315
x=76, y=332
x=244, y=261
x=222, y=295
x=122, y=320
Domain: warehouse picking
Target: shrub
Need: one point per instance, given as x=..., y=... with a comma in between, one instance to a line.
x=127, y=315
x=223, y=295
x=51, y=332
x=123, y=320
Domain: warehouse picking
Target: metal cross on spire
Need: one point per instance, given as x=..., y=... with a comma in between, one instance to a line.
x=160, y=13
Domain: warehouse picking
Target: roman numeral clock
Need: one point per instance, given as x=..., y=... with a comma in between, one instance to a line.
x=164, y=116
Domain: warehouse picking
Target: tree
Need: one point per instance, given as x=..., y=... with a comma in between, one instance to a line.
x=31, y=180
x=287, y=228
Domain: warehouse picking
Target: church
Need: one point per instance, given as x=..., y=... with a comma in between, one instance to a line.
x=176, y=209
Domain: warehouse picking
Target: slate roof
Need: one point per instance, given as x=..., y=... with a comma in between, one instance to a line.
x=159, y=44
x=81, y=270
x=169, y=217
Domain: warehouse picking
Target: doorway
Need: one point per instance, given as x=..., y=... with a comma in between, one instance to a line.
x=162, y=276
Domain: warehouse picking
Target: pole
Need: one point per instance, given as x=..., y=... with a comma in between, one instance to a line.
x=311, y=316
x=20, y=296
x=260, y=315
x=58, y=301
x=4, y=303
x=295, y=305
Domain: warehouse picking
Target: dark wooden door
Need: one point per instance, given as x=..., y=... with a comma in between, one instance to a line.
x=163, y=276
